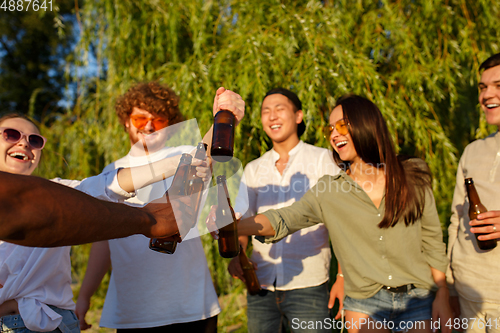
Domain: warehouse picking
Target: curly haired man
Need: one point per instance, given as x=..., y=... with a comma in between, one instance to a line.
x=151, y=291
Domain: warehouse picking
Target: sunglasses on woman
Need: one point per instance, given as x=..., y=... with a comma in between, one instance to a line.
x=140, y=121
x=11, y=135
x=340, y=125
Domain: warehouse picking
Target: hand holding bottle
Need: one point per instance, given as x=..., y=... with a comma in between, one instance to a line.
x=477, y=209
x=488, y=224
x=229, y=100
x=170, y=217
x=203, y=165
x=234, y=268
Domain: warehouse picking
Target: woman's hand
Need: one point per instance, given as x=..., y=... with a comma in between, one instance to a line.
x=441, y=309
x=455, y=306
x=337, y=292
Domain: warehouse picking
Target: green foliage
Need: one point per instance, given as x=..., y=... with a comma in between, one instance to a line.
x=416, y=59
x=32, y=47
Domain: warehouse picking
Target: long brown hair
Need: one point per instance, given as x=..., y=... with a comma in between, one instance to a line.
x=406, y=181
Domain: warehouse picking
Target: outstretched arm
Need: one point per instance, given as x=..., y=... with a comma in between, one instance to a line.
x=38, y=212
x=134, y=178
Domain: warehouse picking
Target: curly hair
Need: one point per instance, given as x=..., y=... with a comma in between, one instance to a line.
x=153, y=97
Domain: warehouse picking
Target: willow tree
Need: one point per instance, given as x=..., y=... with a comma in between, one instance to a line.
x=33, y=47
x=416, y=59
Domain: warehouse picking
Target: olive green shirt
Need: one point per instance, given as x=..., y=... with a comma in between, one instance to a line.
x=370, y=257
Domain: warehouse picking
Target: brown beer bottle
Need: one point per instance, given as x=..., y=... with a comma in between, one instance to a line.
x=251, y=281
x=194, y=184
x=177, y=189
x=476, y=208
x=226, y=222
x=223, y=136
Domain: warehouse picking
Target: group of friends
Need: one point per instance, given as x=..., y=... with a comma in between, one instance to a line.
x=375, y=208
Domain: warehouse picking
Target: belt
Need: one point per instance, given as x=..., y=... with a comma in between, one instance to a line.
x=400, y=289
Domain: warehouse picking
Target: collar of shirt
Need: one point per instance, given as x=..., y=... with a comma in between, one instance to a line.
x=275, y=156
x=356, y=190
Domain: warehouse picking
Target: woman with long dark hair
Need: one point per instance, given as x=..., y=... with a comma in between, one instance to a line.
x=383, y=225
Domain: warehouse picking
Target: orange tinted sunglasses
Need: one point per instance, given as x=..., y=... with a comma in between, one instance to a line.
x=341, y=126
x=140, y=121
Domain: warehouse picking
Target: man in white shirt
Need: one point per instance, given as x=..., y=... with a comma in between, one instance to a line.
x=151, y=291
x=473, y=273
x=294, y=272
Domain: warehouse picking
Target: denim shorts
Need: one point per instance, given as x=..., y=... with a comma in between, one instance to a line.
x=399, y=311
x=15, y=324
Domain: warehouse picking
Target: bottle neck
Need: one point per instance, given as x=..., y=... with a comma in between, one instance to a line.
x=201, y=151
x=472, y=194
x=221, y=194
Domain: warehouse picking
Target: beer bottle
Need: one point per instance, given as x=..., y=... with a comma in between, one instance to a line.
x=226, y=222
x=251, y=281
x=476, y=208
x=194, y=184
x=223, y=136
x=177, y=189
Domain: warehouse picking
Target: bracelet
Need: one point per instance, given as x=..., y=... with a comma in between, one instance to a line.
x=340, y=274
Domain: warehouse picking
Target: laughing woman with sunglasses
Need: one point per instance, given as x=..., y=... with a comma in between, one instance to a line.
x=383, y=225
x=35, y=283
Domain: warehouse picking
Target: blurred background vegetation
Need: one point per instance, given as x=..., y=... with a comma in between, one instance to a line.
x=416, y=59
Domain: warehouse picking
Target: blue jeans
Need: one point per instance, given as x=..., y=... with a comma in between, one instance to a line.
x=401, y=311
x=15, y=324
x=267, y=312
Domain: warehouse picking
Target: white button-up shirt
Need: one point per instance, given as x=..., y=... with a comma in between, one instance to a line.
x=302, y=259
